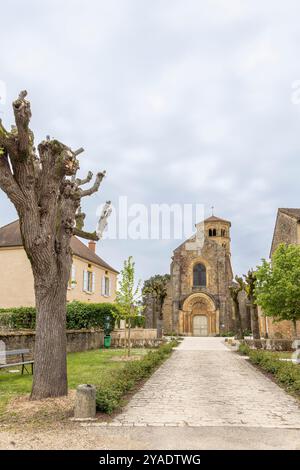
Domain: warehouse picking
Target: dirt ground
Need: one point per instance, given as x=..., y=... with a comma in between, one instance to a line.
x=77, y=436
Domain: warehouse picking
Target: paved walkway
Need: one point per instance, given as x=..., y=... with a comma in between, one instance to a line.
x=205, y=384
x=203, y=397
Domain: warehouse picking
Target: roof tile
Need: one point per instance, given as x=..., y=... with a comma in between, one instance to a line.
x=10, y=236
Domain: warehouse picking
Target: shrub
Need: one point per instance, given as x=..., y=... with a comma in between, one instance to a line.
x=286, y=373
x=83, y=315
x=109, y=397
x=247, y=332
x=79, y=315
x=138, y=321
x=227, y=333
x=18, y=318
x=244, y=349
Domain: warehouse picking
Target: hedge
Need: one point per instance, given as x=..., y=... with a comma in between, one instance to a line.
x=18, y=318
x=285, y=373
x=79, y=315
x=110, y=397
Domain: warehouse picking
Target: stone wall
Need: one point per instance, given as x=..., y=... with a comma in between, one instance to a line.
x=82, y=340
x=77, y=340
x=285, y=231
x=270, y=344
x=140, y=337
x=282, y=329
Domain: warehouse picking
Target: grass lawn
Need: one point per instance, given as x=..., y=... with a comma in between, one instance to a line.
x=85, y=367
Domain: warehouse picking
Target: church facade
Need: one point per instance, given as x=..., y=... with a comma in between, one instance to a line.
x=198, y=301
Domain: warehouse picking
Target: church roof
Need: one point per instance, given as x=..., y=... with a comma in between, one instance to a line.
x=213, y=218
x=10, y=236
x=292, y=212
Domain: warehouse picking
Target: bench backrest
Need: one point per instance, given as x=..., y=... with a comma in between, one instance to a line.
x=14, y=352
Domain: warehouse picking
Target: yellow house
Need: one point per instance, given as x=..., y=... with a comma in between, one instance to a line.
x=91, y=279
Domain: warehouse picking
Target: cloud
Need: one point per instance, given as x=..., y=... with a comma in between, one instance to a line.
x=178, y=101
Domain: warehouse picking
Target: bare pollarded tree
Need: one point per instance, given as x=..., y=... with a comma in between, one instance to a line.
x=237, y=287
x=250, y=283
x=43, y=187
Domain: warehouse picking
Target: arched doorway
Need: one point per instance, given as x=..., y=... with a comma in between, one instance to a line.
x=200, y=325
x=199, y=316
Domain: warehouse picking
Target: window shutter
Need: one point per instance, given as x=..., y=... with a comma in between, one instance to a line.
x=93, y=282
x=73, y=281
x=103, y=286
x=109, y=287
x=85, y=281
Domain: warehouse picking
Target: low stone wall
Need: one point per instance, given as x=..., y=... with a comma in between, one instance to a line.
x=77, y=340
x=270, y=344
x=82, y=340
x=139, y=337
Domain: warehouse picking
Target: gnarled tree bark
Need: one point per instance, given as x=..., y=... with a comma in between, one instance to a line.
x=234, y=290
x=250, y=280
x=44, y=189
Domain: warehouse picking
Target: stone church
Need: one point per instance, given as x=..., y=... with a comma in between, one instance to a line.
x=198, y=302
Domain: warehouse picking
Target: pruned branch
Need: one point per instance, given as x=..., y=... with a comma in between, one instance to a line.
x=86, y=235
x=79, y=219
x=81, y=182
x=6, y=140
x=3, y=135
x=95, y=187
x=78, y=151
x=22, y=114
x=8, y=183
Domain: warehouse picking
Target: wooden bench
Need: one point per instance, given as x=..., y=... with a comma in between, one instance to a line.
x=22, y=362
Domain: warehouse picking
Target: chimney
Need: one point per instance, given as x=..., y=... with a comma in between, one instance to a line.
x=92, y=246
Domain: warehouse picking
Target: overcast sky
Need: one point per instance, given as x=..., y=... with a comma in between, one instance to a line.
x=179, y=100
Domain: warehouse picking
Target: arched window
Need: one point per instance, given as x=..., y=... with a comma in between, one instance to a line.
x=210, y=233
x=214, y=232
x=199, y=275
x=223, y=232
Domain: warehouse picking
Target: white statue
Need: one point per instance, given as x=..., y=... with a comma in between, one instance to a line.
x=102, y=224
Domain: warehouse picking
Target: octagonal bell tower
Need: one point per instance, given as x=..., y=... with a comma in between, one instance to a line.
x=218, y=230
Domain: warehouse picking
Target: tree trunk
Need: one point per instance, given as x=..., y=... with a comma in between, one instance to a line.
x=160, y=319
x=255, y=322
x=50, y=367
x=125, y=335
x=294, y=321
x=129, y=345
x=238, y=321
x=159, y=328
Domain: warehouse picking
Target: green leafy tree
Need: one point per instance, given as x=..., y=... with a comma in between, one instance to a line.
x=277, y=288
x=128, y=298
x=234, y=290
x=250, y=283
x=154, y=293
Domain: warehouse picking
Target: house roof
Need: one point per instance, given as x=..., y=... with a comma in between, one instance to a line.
x=292, y=212
x=213, y=218
x=10, y=236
